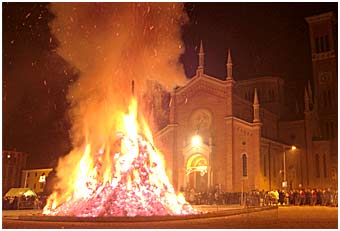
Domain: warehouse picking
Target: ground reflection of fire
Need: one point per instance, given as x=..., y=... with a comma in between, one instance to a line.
x=123, y=178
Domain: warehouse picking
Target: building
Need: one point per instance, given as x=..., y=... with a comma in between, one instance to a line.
x=321, y=101
x=35, y=179
x=236, y=134
x=12, y=164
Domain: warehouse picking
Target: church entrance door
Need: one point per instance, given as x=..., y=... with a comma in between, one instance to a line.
x=196, y=170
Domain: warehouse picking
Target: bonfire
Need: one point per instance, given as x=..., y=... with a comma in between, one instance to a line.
x=126, y=177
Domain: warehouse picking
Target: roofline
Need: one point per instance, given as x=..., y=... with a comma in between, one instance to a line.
x=164, y=130
x=13, y=151
x=263, y=78
x=38, y=169
x=196, y=78
x=278, y=142
x=320, y=17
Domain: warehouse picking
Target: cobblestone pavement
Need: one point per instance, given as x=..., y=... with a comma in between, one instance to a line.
x=284, y=217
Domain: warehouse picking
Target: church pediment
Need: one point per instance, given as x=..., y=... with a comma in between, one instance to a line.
x=205, y=83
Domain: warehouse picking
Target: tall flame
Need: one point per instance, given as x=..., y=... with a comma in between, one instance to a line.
x=125, y=177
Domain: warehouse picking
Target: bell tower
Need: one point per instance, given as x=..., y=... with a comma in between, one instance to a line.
x=323, y=41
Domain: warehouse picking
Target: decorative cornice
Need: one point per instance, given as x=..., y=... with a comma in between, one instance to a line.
x=201, y=84
x=259, y=79
x=323, y=55
x=242, y=121
x=279, y=143
x=244, y=131
x=189, y=150
x=320, y=17
x=38, y=169
x=292, y=122
x=164, y=130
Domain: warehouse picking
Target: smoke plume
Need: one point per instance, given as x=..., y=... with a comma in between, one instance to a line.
x=112, y=44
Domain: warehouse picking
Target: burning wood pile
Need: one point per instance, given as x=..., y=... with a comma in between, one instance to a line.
x=126, y=178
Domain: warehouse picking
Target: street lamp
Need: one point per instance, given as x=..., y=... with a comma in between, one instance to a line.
x=284, y=183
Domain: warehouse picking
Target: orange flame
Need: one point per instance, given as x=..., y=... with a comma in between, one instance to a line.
x=126, y=176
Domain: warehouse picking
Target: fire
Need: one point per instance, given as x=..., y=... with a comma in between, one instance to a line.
x=123, y=177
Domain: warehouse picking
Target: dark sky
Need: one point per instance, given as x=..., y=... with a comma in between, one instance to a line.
x=265, y=39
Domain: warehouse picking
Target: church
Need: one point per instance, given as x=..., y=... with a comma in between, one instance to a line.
x=234, y=134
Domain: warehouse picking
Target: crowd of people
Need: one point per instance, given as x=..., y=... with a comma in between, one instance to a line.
x=23, y=202
x=312, y=197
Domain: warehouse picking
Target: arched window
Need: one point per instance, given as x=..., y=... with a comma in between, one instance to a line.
x=317, y=166
x=327, y=129
x=332, y=129
x=325, y=99
x=324, y=166
x=274, y=165
x=322, y=46
x=329, y=98
x=324, y=129
x=327, y=43
x=244, y=165
x=264, y=165
x=317, y=48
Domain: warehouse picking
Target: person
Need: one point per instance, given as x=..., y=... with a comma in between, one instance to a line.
x=192, y=196
x=210, y=198
x=336, y=198
x=297, y=198
x=291, y=197
x=327, y=197
x=308, y=197
x=313, y=197
x=262, y=195
x=5, y=203
x=302, y=197
x=15, y=203
x=323, y=198
x=281, y=197
x=36, y=203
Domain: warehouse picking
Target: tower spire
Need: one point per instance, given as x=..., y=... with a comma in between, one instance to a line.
x=297, y=108
x=310, y=92
x=306, y=101
x=256, y=107
x=200, y=68
x=229, y=66
x=133, y=87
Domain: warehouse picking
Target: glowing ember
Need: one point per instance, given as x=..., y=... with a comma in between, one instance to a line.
x=123, y=178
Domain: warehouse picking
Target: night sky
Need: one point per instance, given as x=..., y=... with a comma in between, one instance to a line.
x=264, y=38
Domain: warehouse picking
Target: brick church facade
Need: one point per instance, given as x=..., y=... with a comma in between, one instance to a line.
x=244, y=139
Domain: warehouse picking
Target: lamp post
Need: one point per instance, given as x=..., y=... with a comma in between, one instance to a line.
x=209, y=165
x=284, y=183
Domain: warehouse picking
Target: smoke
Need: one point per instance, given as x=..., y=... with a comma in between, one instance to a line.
x=112, y=44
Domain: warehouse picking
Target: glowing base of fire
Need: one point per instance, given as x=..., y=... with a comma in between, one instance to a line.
x=122, y=202
x=137, y=184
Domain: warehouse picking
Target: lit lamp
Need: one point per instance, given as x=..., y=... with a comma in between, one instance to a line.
x=284, y=183
x=42, y=179
x=196, y=141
